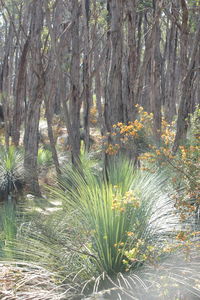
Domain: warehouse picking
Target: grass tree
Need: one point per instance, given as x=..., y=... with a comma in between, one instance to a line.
x=11, y=173
x=125, y=213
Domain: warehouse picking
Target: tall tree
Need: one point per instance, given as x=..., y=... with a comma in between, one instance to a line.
x=35, y=93
x=113, y=96
x=186, y=103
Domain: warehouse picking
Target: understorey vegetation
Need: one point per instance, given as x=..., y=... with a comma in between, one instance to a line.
x=126, y=229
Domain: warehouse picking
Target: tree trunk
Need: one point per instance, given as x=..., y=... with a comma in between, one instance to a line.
x=36, y=86
x=186, y=100
x=113, y=99
x=86, y=73
x=20, y=94
x=75, y=101
x=156, y=62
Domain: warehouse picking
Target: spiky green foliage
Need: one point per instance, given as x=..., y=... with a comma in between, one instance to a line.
x=11, y=172
x=44, y=158
x=49, y=240
x=120, y=211
x=8, y=228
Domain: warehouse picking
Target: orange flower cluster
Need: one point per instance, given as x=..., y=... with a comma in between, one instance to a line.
x=129, y=130
x=125, y=134
x=112, y=149
x=93, y=115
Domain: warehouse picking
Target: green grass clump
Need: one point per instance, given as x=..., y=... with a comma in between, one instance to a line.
x=8, y=229
x=44, y=158
x=11, y=172
x=125, y=213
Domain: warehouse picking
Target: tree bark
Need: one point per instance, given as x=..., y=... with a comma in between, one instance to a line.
x=86, y=73
x=113, y=98
x=20, y=94
x=36, y=86
x=186, y=100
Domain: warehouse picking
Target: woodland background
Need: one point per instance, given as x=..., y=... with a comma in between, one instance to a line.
x=69, y=57
x=99, y=149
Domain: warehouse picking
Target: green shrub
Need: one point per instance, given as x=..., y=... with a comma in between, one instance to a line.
x=44, y=158
x=123, y=213
x=11, y=172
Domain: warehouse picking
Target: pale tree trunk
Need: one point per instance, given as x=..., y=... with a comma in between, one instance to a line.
x=49, y=96
x=184, y=39
x=113, y=98
x=143, y=81
x=186, y=104
x=98, y=93
x=98, y=81
x=86, y=72
x=6, y=81
x=36, y=85
x=170, y=75
x=156, y=72
x=71, y=111
x=19, y=90
x=132, y=63
x=20, y=94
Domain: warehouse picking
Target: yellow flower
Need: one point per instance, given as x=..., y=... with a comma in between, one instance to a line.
x=158, y=152
x=130, y=233
x=125, y=261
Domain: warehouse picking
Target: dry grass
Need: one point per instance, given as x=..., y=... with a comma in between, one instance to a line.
x=27, y=281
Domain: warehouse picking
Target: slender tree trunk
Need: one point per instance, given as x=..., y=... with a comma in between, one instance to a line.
x=186, y=100
x=113, y=98
x=20, y=94
x=86, y=73
x=51, y=138
x=132, y=63
x=36, y=86
x=170, y=75
x=75, y=101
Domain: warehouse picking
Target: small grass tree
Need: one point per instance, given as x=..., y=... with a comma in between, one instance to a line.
x=125, y=213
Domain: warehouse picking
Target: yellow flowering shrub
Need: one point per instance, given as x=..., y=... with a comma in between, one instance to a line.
x=183, y=167
x=131, y=135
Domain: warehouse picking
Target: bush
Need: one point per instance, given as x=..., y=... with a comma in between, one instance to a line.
x=44, y=158
x=124, y=213
x=11, y=173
